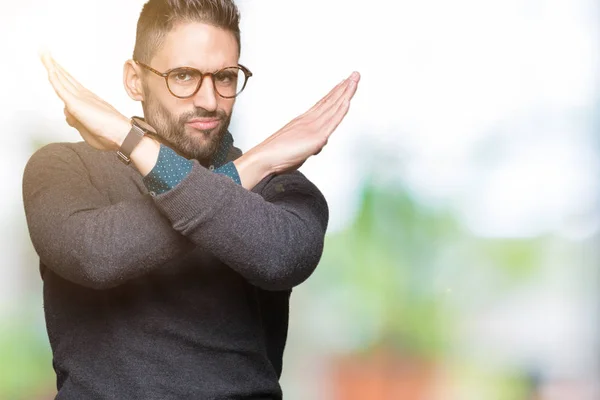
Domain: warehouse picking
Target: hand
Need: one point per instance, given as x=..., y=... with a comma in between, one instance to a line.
x=98, y=123
x=307, y=134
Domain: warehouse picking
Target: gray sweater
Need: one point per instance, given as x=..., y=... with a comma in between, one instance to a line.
x=183, y=295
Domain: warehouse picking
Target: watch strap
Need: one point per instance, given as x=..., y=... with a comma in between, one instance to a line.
x=133, y=138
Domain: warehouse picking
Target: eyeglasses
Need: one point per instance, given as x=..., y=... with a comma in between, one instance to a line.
x=184, y=82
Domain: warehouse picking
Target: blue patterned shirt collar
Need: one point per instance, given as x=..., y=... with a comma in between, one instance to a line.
x=220, y=157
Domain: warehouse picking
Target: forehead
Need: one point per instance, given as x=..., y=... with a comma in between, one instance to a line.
x=198, y=45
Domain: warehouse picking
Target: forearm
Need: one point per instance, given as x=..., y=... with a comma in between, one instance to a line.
x=274, y=239
x=81, y=236
x=106, y=247
x=85, y=239
x=251, y=167
x=275, y=244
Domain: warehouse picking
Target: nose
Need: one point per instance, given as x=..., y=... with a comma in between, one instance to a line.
x=206, y=97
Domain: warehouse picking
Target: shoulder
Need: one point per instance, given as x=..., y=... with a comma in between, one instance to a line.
x=60, y=150
x=58, y=156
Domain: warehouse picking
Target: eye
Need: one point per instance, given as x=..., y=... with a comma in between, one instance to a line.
x=226, y=77
x=183, y=76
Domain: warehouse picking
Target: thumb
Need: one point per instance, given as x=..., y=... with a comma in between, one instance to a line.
x=74, y=122
x=71, y=120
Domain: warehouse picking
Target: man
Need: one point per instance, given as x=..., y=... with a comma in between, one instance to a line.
x=167, y=255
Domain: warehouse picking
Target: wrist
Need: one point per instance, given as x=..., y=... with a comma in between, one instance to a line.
x=145, y=155
x=123, y=129
x=252, y=167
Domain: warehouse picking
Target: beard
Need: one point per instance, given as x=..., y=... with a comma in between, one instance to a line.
x=187, y=141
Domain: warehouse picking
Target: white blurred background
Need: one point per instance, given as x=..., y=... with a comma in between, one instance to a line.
x=485, y=109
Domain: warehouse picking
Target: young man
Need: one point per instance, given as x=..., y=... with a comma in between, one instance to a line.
x=167, y=255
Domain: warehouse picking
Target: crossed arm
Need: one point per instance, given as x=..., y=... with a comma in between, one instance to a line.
x=104, y=128
x=273, y=238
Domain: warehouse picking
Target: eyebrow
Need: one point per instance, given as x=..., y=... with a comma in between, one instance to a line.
x=197, y=69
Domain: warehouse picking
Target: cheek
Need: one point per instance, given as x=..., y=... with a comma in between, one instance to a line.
x=169, y=109
x=175, y=108
x=226, y=105
x=157, y=114
x=159, y=98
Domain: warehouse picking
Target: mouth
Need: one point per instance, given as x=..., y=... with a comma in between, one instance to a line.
x=203, y=124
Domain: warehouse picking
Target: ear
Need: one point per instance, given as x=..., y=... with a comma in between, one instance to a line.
x=132, y=80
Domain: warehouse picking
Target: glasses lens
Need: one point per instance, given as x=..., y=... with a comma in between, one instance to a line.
x=184, y=81
x=229, y=82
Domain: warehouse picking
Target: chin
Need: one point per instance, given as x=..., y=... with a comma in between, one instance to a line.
x=204, y=133
x=203, y=139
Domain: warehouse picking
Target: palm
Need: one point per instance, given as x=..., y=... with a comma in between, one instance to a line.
x=99, y=123
x=307, y=134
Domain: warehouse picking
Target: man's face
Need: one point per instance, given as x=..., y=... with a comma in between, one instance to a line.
x=196, y=125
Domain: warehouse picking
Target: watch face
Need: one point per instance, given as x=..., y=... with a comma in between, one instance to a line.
x=143, y=124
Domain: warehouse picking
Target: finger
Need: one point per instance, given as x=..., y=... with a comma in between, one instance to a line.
x=57, y=84
x=345, y=91
x=54, y=76
x=69, y=118
x=347, y=96
x=333, y=108
x=355, y=76
x=336, y=119
x=352, y=86
x=332, y=92
x=63, y=78
x=330, y=119
x=54, y=69
x=330, y=104
x=45, y=57
x=335, y=92
x=76, y=85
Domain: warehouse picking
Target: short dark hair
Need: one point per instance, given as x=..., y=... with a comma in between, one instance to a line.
x=158, y=17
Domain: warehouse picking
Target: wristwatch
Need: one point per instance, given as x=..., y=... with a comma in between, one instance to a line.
x=135, y=135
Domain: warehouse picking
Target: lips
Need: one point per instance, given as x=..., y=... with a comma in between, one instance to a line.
x=204, y=123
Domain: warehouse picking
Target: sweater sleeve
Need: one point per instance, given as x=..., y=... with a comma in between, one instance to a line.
x=84, y=238
x=275, y=239
x=272, y=235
